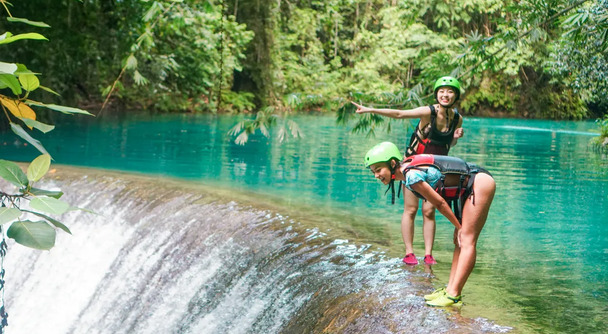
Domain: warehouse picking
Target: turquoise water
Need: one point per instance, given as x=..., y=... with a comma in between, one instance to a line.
x=541, y=263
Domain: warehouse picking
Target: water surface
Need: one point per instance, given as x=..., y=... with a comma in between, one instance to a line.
x=541, y=256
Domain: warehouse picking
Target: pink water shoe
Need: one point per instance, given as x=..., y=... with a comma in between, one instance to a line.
x=410, y=259
x=429, y=259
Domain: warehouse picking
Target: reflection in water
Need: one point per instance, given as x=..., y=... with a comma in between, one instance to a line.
x=544, y=238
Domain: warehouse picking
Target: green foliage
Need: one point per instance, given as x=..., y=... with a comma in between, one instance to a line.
x=39, y=234
x=245, y=55
x=184, y=59
x=601, y=143
x=603, y=124
x=580, y=58
x=263, y=121
x=17, y=84
x=237, y=101
x=369, y=123
x=492, y=95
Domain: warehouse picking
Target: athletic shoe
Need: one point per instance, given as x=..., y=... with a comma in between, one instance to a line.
x=410, y=259
x=429, y=259
x=434, y=294
x=445, y=300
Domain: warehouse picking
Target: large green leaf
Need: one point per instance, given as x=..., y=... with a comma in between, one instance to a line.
x=55, y=222
x=38, y=125
x=38, y=235
x=63, y=109
x=18, y=130
x=29, y=82
x=26, y=21
x=13, y=173
x=9, y=38
x=9, y=80
x=49, y=193
x=38, y=167
x=7, y=215
x=7, y=68
x=49, y=205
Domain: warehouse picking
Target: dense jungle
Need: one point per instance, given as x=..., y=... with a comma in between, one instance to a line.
x=532, y=59
x=187, y=209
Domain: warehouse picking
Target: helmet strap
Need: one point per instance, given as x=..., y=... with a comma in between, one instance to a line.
x=391, y=185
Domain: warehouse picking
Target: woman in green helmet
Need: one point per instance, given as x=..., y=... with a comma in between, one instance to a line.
x=439, y=129
x=442, y=180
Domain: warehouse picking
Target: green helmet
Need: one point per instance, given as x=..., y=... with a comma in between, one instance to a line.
x=382, y=152
x=447, y=82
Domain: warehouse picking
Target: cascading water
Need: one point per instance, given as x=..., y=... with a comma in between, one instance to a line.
x=161, y=256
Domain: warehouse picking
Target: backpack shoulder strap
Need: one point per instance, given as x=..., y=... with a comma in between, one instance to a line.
x=433, y=113
x=455, y=120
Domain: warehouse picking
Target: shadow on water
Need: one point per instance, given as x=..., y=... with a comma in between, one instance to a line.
x=164, y=256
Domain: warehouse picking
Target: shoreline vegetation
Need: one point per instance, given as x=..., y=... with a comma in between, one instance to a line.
x=265, y=61
x=601, y=143
x=543, y=61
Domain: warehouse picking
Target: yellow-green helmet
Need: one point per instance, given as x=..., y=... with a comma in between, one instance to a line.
x=447, y=82
x=382, y=152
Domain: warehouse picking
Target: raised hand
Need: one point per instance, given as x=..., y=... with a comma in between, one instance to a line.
x=361, y=109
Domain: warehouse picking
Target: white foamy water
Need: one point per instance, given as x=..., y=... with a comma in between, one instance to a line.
x=158, y=258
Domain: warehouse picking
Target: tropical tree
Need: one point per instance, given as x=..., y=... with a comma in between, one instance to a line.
x=499, y=49
x=183, y=59
x=580, y=58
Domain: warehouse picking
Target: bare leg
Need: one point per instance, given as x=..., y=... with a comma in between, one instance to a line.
x=455, y=257
x=428, y=226
x=410, y=207
x=473, y=219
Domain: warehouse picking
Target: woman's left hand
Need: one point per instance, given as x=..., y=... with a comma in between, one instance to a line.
x=458, y=133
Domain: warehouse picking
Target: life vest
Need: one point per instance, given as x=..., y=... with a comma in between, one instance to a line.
x=456, y=195
x=430, y=140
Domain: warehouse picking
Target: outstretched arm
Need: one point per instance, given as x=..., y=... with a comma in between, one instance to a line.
x=442, y=206
x=395, y=113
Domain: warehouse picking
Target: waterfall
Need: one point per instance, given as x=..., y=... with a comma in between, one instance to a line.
x=164, y=256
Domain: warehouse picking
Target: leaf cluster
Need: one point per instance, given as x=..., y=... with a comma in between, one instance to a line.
x=183, y=58
x=38, y=234
x=580, y=58
x=263, y=121
x=17, y=83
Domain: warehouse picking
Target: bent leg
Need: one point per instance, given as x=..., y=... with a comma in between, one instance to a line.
x=428, y=226
x=474, y=215
x=410, y=207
